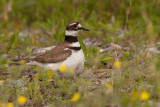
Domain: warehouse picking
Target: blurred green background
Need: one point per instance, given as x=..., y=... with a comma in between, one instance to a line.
x=103, y=17
x=96, y=14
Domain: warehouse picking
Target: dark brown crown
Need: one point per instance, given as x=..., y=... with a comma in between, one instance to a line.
x=72, y=25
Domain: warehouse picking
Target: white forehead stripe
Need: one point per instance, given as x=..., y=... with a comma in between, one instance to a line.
x=72, y=24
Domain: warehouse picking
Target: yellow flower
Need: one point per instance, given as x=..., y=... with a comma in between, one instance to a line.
x=34, y=42
x=1, y=82
x=109, y=86
x=38, y=86
x=22, y=100
x=10, y=104
x=49, y=79
x=49, y=74
x=117, y=64
x=62, y=68
x=144, y=96
x=35, y=78
x=134, y=95
x=75, y=97
x=22, y=61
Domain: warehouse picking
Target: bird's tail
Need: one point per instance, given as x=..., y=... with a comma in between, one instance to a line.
x=19, y=61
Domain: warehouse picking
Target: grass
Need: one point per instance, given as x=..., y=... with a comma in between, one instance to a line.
x=130, y=27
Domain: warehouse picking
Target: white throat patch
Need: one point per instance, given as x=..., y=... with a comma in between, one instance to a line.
x=72, y=33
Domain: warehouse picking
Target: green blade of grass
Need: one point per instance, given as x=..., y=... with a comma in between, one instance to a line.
x=83, y=47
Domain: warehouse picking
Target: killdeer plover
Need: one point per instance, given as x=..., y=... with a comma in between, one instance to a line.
x=68, y=54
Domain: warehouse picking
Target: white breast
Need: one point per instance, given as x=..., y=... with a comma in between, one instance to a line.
x=75, y=61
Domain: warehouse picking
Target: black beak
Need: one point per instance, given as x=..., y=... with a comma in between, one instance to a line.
x=85, y=29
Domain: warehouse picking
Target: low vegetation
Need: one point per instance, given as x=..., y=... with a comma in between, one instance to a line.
x=122, y=53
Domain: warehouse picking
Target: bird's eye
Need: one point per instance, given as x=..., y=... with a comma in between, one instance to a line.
x=75, y=26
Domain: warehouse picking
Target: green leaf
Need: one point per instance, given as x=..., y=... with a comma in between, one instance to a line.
x=106, y=59
x=83, y=47
x=108, y=39
x=1, y=53
x=44, y=26
x=126, y=55
x=11, y=40
x=4, y=61
x=117, y=39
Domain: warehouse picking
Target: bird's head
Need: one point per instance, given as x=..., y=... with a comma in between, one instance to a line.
x=74, y=27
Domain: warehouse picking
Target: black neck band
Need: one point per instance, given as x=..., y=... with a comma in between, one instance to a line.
x=71, y=39
x=75, y=48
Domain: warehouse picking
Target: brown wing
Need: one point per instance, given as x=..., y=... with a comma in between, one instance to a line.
x=55, y=55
